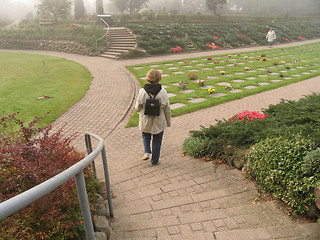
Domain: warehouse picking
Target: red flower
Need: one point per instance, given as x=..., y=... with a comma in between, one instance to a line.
x=287, y=39
x=216, y=38
x=300, y=38
x=242, y=35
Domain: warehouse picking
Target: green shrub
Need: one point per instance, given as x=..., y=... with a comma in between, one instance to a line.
x=277, y=164
x=194, y=146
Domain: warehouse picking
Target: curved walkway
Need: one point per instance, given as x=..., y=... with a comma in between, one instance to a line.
x=182, y=198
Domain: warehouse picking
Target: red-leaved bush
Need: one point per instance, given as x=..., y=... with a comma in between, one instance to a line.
x=30, y=155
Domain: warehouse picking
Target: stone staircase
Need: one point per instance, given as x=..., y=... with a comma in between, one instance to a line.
x=201, y=203
x=121, y=41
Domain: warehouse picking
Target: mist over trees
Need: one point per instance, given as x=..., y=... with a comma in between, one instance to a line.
x=56, y=9
x=130, y=6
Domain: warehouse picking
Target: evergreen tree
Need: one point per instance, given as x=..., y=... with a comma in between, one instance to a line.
x=99, y=7
x=79, y=10
x=213, y=5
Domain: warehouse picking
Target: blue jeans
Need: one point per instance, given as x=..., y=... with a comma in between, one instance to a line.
x=156, y=145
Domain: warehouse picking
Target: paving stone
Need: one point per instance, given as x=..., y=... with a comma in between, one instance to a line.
x=212, y=77
x=187, y=91
x=176, y=105
x=206, y=86
x=251, y=78
x=197, y=100
x=206, y=68
x=171, y=95
x=238, y=80
x=263, y=83
x=216, y=95
x=180, y=72
x=223, y=83
x=250, y=87
x=235, y=90
x=244, y=234
x=173, y=68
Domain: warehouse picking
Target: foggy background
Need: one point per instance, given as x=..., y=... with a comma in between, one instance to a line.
x=21, y=9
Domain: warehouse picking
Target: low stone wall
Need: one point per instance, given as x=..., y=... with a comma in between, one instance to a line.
x=59, y=46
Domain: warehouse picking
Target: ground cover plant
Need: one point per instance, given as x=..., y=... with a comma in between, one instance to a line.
x=35, y=84
x=27, y=161
x=161, y=38
x=279, y=148
x=198, y=83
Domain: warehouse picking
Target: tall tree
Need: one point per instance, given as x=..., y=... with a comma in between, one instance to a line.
x=79, y=10
x=55, y=8
x=213, y=5
x=130, y=6
x=99, y=7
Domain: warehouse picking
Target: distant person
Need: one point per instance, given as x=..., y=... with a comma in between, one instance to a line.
x=271, y=37
x=153, y=126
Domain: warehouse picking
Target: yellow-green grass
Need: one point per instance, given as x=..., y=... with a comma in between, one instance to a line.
x=25, y=77
x=277, y=60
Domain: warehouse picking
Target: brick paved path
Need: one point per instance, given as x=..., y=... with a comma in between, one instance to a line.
x=182, y=198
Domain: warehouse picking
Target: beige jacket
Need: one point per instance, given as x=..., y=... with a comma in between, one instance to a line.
x=154, y=124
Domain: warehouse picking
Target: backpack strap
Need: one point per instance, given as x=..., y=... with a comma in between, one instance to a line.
x=151, y=96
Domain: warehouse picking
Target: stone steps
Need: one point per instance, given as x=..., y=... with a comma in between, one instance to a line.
x=121, y=41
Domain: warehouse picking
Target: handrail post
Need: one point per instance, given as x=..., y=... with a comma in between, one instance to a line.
x=84, y=205
x=89, y=150
x=106, y=177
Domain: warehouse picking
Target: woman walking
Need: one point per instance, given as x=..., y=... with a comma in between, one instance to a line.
x=271, y=37
x=153, y=126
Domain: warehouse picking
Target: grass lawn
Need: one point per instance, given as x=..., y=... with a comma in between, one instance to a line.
x=26, y=77
x=231, y=76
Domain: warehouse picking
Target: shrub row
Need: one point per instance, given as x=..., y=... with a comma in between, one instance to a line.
x=291, y=128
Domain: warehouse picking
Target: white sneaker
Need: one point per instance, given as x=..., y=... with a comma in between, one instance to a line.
x=145, y=156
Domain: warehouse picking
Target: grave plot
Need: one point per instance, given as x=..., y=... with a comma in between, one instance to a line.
x=197, y=83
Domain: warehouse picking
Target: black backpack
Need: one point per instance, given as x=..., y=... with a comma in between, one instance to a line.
x=152, y=106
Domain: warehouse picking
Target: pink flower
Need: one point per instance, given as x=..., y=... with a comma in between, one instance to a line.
x=300, y=38
x=287, y=39
x=177, y=49
x=247, y=115
x=216, y=38
x=242, y=35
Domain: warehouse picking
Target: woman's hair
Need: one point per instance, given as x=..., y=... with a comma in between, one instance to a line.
x=153, y=76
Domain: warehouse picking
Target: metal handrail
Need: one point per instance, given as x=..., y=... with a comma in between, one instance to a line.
x=22, y=200
x=106, y=35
